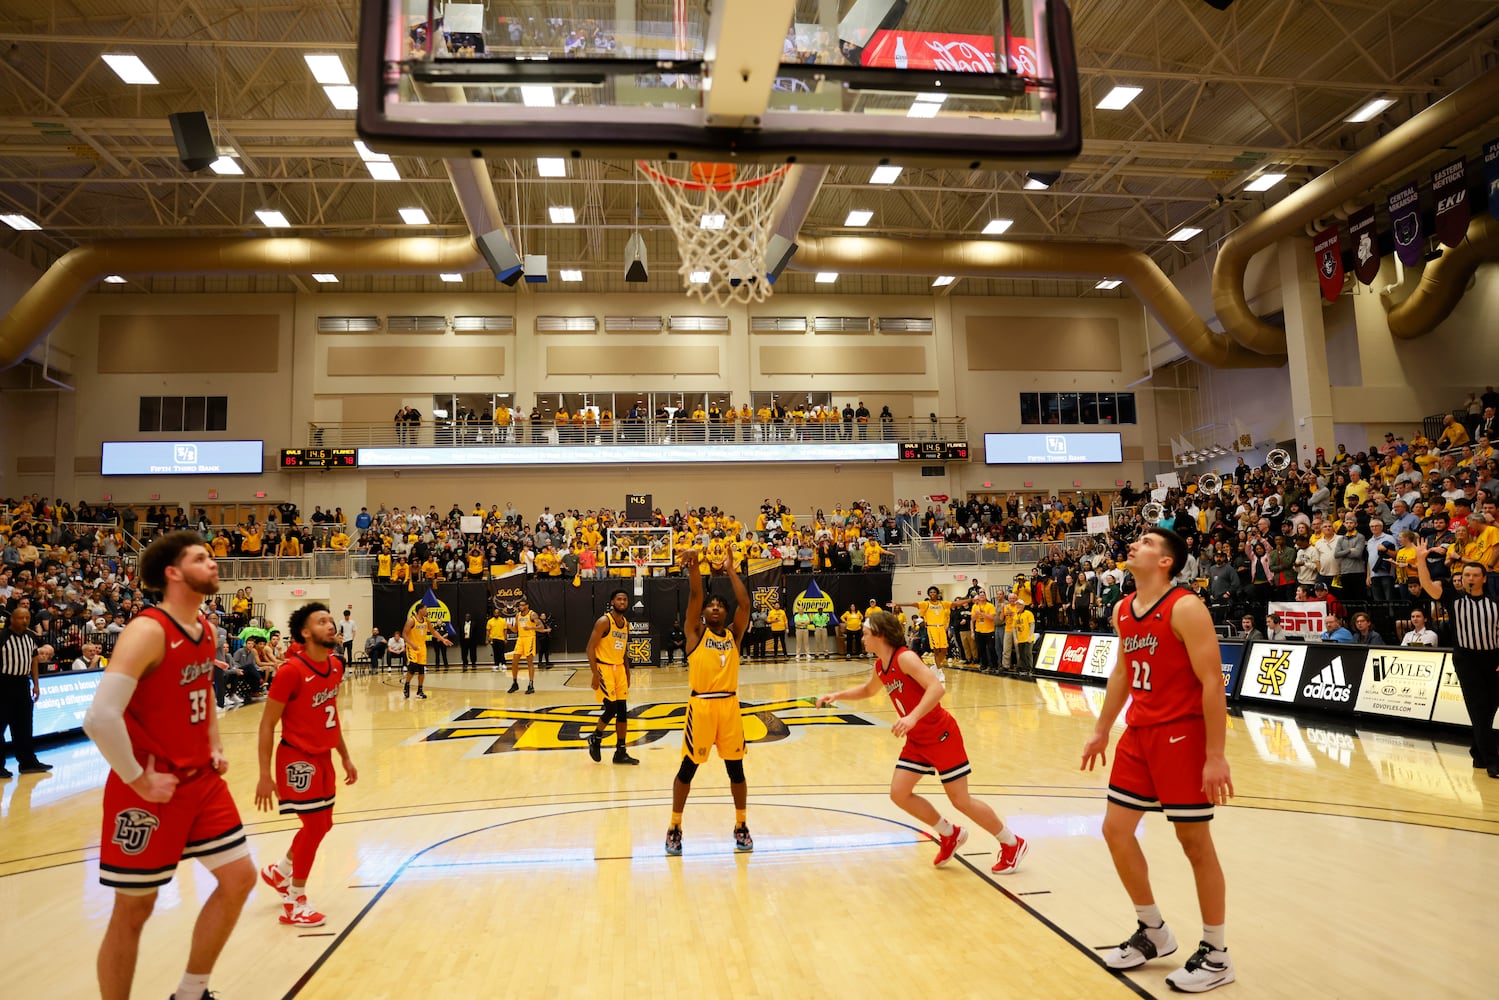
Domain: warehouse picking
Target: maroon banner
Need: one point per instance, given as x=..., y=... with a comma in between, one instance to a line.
x=1449, y=186
x=948, y=53
x=1329, y=263
x=1365, y=240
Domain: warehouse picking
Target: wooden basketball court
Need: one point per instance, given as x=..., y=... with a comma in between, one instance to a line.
x=482, y=852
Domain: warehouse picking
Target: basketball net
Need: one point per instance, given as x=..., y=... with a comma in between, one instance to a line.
x=639, y=576
x=722, y=229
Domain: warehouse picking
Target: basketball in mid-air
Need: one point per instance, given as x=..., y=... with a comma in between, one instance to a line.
x=714, y=173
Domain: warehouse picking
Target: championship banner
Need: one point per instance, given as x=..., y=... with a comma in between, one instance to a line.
x=1405, y=224
x=1449, y=185
x=1300, y=618
x=1491, y=174
x=1365, y=240
x=1329, y=263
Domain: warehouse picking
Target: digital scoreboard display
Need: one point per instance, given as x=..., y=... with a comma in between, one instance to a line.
x=934, y=451
x=319, y=458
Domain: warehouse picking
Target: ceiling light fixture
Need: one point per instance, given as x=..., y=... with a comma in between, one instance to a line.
x=1109, y=284
x=327, y=69
x=700, y=277
x=130, y=68
x=571, y=274
x=369, y=155
x=826, y=277
x=414, y=217
x=538, y=97
x=1373, y=109
x=998, y=227
x=113, y=279
x=923, y=109
x=1264, y=182
x=19, y=223
x=226, y=165
x=713, y=220
x=1041, y=180
x=325, y=279
x=562, y=214
x=451, y=276
x=943, y=279
x=383, y=171
x=343, y=98
x=551, y=166
x=271, y=218
x=1118, y=98
x=1183, y=234
x=884, y=175
x=858, y=217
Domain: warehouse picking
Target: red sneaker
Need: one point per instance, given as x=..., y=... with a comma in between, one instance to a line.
x=271, y=876
x=1009, y=856
x=297, y=913
x=948, y=844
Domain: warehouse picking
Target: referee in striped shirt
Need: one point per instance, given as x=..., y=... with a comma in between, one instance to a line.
x=1475, y=654
x=20, y=686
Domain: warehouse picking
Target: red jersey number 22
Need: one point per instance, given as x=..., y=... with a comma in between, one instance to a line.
x=1140, y=679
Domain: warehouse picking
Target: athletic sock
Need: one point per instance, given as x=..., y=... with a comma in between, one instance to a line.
x=676, y=819
x=1150, y=916
x=284, y=866
x=192, y=987
x=1007, y=836
x=1213, y=934
x=944, y=828
x=741, y=817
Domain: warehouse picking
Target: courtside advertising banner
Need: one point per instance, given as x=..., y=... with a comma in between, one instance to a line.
x=1272, y=671
x=1330, y=675
x=1401, y=682
x=1074, y=654
x=1300, y=618
x=1230, y=655
x=1101, y=656
x=1049, y=653
x=1450, y=707
x=65, y=697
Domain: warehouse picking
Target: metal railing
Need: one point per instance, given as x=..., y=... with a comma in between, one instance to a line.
x=457, y=434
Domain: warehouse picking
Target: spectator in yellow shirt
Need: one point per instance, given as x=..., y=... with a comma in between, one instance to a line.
x=1025, y=634
x=853, y=635
x=338, y=540
x=984, y=616
x=776, y=620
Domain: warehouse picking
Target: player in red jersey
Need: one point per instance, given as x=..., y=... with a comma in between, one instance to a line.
x=303, y=698
x=153, y=720
x=1170, y=758
x=934, y=743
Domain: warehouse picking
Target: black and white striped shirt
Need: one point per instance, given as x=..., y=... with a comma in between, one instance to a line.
x=1475, y=620
x=16, y=652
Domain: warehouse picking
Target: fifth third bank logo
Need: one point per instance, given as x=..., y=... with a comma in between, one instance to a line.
x=1056, y=444
x=186, y=454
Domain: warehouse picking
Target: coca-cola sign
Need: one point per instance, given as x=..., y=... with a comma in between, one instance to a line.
x=933, y=50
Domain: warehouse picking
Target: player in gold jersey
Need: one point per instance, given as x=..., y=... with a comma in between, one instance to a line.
x=611, y=676
x=527, y=624
x=713, y=717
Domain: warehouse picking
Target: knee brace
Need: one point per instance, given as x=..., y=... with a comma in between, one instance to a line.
x=686, y=772
x=736, y=771
x=315, y=826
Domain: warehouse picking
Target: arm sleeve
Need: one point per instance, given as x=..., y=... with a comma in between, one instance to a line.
x=104, y=722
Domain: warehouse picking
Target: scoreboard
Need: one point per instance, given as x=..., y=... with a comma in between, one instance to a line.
x=934, y=451
x=319, y=458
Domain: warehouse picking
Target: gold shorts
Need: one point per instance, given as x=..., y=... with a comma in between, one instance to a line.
x=616, y=682
x=713, y=722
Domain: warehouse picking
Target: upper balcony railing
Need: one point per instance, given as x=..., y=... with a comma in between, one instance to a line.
x=451, y=434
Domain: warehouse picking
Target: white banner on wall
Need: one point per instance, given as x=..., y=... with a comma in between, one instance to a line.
x=1301, y=618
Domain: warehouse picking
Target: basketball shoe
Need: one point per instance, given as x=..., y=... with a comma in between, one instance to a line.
x=406, y=690
x=514, y=687
x=1203, y=972
x=271, y=876
x=1143, y=945
x=1009, y=856
x=596, y=746
x=296, y=913
x=674, y=841
x=743, y=843
x=948, y=844
x=622, y=756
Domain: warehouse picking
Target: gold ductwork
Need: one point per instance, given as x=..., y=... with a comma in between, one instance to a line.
x=1006, y=259
x=73, y=274
x=1402, y=148
x=1444, y=281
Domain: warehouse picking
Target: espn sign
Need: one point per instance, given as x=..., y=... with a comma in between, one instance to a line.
x=1300, y=618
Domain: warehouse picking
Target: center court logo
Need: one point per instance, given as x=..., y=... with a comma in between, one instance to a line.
x=566, y=727
x=1330, y=685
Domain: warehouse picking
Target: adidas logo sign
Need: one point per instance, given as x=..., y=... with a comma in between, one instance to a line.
x=1330, y=685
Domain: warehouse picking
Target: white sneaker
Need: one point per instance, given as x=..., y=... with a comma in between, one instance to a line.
x=1143, y=945
x=1203, y=972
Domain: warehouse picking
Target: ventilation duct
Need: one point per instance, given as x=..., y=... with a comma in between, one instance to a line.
x=1400, y=149
x=483, y=324
x=348, y=324
x=699, y=324
x=567, y=324
x=1444, y=281
x=416, y=324
x=778, y=324
x=632, y=324
x=842, y=324
x=73, y=274
x=1005, y=259
x=904, y=324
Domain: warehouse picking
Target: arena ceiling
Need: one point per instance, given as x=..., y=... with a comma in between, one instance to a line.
x=1226, y=94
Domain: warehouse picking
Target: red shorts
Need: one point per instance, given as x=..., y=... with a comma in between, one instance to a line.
x=305, y=782
x=142, y=842
x=1159, y=769
x=938, y=752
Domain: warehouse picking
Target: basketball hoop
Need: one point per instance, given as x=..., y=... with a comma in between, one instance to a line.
x=720, y=213
x=640, y=562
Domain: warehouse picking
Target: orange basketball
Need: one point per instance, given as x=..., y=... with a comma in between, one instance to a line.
x=714, y=173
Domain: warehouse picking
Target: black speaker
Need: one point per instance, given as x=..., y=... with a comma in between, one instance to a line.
x=194, y=139
x=635, y=268
x=495, y=247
